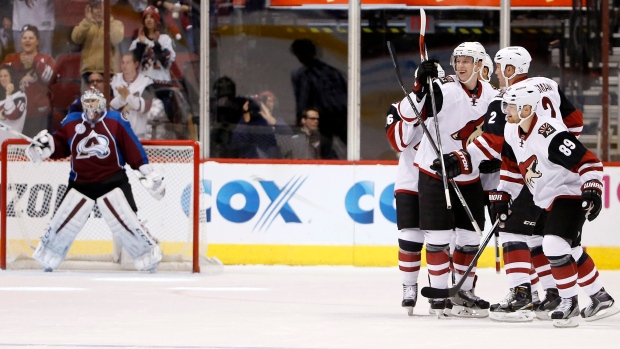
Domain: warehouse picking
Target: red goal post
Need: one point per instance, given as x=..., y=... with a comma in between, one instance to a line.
x=31, y=193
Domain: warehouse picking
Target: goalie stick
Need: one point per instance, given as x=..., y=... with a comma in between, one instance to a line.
x=431, y=292
x=8, y=128
x=424, y=57
x=430, y=138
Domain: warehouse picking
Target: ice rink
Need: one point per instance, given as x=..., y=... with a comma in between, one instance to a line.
x=262, y=307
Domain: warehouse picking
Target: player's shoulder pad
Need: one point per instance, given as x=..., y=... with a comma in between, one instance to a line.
x=392, y=115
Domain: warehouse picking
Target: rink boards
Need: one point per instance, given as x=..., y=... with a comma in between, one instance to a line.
x=341, y=214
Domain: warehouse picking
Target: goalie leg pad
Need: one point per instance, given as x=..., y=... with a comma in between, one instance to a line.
x=129, y=231
x=69, y=219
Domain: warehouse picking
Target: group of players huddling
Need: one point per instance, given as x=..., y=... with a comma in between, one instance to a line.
x=516, y=150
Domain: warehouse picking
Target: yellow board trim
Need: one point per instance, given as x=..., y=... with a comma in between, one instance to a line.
x=606, y=258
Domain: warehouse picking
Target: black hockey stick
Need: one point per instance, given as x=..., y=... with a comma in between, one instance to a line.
x=430, y=138
x=431, y=292
x=429, y=81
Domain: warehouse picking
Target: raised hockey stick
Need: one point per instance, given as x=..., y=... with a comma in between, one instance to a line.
x=498, y=265
x=431, y=292
x=430, y=138
x=424, y=57
x=8, y=128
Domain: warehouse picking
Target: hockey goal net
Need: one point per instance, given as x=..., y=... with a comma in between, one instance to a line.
x=31, y=193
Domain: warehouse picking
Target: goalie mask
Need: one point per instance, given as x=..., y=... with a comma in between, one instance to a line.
x=94, y=104
x=469, y=49
x=521, y=94
x=516, y=56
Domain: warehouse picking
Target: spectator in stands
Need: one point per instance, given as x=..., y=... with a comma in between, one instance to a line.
x=89, y=34
x=226, y=110
x=156, y=54
x=317, y=84
x=255, y=134
x=177, y=16
x=306, y=142
x=38, y=13
x=35, y=72
x=7, y=45
x=12, y=104
x=133, y=94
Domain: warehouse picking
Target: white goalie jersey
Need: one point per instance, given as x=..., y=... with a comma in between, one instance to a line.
x=548, y=159
x=460, y=116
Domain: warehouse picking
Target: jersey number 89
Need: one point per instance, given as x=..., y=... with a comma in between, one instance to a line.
x=567, y=147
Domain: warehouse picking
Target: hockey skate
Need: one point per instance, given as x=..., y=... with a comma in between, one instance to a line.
x=516, y=307
x=467, y=304
x=566, y=314
x=410, y=297
x=548, y=304
x=602, y=306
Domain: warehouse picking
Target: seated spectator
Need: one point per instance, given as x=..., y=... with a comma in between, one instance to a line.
x=89, y=34
x=133, y=95
x=12, y=104
x=255, y=134
x=154, y=50
x=35, y=72
x=226, y=109
x=305, y=143
x=36, y=13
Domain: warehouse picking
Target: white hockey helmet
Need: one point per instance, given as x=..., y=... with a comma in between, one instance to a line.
x=521, y=94
x=487, y=63
x=93, y=103
x=472, y=49
x=516, y=56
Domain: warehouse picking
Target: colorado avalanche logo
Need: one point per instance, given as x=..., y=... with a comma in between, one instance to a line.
x=469, y=132
x=93, y=145
x=529, y=171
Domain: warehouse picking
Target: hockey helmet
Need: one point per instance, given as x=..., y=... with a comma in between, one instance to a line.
x=521, y=94
x=93, y=103
x=472, y=49
x=516, y=56
x=487, y=63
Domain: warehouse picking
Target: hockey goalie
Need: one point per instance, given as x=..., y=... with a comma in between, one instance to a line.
x=99, y=143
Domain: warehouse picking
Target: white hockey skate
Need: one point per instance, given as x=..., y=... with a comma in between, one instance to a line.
x=410, y=297
x=567, y=313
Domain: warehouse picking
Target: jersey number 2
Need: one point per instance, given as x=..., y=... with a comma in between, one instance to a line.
x=546, y=104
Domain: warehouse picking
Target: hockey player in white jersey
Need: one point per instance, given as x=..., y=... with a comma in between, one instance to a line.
x=404, y=137
x=461, y=100
x=565, y=181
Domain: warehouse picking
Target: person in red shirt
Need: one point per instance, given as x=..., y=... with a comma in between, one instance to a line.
x=34, y=72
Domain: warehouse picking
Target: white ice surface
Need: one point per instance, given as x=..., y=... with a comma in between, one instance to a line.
x=262, y=307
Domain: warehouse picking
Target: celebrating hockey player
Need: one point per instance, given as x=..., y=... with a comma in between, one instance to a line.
x=461, y=100
x=565, y=181
x=99, y=143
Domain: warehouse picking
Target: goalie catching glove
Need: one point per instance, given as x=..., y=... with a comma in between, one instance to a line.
x=499, y=202
x=457, y=162
x=152, y=180
x=41, y=148
x=592, y=203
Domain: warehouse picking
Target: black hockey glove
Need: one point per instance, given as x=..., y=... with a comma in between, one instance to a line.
x=425, y=70
x=490, y=166
x=457, y=162
x=591, y=192
x=499, y=202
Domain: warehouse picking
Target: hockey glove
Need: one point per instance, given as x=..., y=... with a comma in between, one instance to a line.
x=152, y=180
x=499, y=202
x=42, y=148
x=490, y=166
x=457, y=162
x=591, y=192
x=427, y=69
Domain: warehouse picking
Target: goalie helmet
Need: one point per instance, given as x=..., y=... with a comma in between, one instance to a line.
x=515, y=56
x=487, y=63
x=521, y=94
x=93, y=103
x=472, y=49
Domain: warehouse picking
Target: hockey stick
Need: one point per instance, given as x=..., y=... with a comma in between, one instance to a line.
x=8, y=128
x=498, y=265
x=431, y=292
x=424, y=57
x=430, y=138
